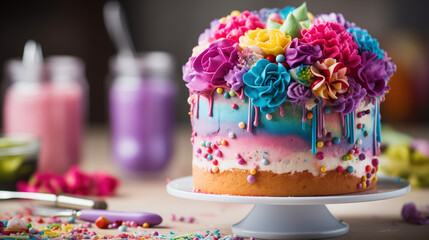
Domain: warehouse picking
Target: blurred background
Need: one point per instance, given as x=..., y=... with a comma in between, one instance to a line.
x=77, y=28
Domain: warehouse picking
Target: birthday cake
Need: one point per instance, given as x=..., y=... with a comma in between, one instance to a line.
x=286, y=103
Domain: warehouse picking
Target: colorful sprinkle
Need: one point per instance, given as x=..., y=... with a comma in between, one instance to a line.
x=327, y=110
x=215, y=169
x=199, y=150
x=253, y=171
x=226, y=95
x=329, y=135
x=359, y=142
x=231, y=135
x=363, y=185
x=323, y=169
x=368, y=168
x=375, y=162
x=359, y=114
x=350, y=169
x=241, y=161
x=328, y=143
x=309, y=115
x=224, y=142
x=241, y=125
x=362, y=156
x=218, y=153
x=336, y=140
x=251, y=179
x=340, y=169
x=359, y=186
x=145, y=225
x=122, y=228
x=268, y=116
x=366, y=133
x=320, y=155
x=319, y=144
x=219, y=90
x=215, y=162
x=345, y=158
x=280, y=58
x=234, y=106
x=270, y=58
x=350, y=156
x=364, y=178
x=359, y=126
x=208, y=144
x=209, y=150
x=265, y=161
x=368, y=183
x=232, y=93
x=71, y=220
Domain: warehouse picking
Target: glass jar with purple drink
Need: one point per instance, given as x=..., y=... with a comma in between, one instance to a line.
x=141, y=105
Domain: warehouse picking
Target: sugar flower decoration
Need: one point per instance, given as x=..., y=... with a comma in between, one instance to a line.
x=372, y=75
x=266, y=83
x=335, y=42
x=410, y=214
x=349, y=101
x=298, y=93
x=236, y=26
x=264, y=13
x=299, y=53
x=336, y=18
x=331, y=78
x=272, y=42
x=211, y=66
x=235, y=78
x=302, y=75
x=366, y=42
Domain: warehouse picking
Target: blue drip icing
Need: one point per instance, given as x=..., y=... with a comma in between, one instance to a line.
x=314, y=131
x=352, y=127
x=346, y=120
x=303, y=126
x=377, y=115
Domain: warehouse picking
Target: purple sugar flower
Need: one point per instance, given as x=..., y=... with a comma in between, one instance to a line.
x=298, y=93
x=350, y=100
x=337, y=18
x=210, y=67
x=300, y=53
x=235, y=78
x=412, y=215
x=373, y=73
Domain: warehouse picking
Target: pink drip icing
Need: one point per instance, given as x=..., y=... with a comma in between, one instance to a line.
x=343, y=122
x=256, y=121
x=282, y=110
x=210, y=98
x=322, y=113
x=197, y=106
x=249, y=120
x=241, y=94
x=304, y=116
x=375, y=147
x=319, y=121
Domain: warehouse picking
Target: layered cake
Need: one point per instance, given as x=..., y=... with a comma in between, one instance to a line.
x=286, y=103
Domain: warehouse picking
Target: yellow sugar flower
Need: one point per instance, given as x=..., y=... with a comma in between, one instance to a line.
x=272, y=41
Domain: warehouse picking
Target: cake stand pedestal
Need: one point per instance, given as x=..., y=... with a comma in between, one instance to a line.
x=292, y=217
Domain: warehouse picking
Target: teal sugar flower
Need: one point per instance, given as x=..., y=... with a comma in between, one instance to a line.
x=366, y=42
x=266, y=84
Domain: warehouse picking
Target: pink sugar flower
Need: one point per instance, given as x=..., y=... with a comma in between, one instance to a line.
x=78, y=182
x=335, y=42
x=104, y=184
x=331, y=78
x=236, y=26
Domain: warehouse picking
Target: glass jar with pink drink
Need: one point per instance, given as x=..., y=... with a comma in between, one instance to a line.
x=47, y=99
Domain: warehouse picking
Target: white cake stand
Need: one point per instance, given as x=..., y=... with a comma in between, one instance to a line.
x=292, y=217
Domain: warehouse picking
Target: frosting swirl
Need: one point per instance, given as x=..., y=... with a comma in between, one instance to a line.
x=212, y=65
x=300, y=53
x=266, y=83
x=237, y=25
x=298, y=93
x=349, y=101
x=272, y=41
x=372, y=75
x=330, y=80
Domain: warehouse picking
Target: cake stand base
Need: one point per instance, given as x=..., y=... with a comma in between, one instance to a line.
x=292, y=217
x=290, y=222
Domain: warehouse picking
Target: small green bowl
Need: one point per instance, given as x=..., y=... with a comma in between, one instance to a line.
x=18, y=159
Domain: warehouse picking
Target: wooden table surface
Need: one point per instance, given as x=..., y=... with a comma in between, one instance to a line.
x=369, y=220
